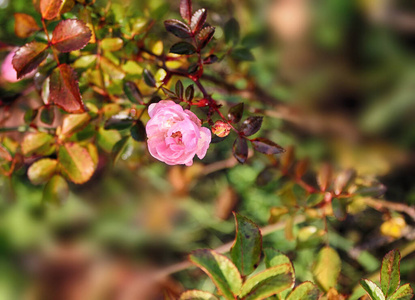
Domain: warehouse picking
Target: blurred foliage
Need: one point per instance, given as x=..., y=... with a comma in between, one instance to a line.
x=333, y=78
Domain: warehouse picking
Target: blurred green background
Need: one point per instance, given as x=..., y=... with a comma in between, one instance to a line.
x=336, y=79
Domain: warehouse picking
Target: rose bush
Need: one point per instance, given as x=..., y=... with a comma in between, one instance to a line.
x=175, y=135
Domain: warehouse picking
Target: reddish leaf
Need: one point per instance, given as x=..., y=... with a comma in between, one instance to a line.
x=64, y=90
x=210, y=59
x=235, y=113
x=240, y=149
x=205, y=35
x=198, y=20
x=266, y=146
x=24, y=25
x=178, y=28
x=70, y=35
x=28, y=57
x=49, y=9
x=186, y=10
x=251, y=125
x=324, y=177
x=183, y=48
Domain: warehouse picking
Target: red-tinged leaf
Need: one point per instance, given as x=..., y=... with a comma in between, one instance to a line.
x=204, y=37
x=251, y=125
x=405, y=292
x=70, y=35
x=246, y=249
x=29, y=57
x=5, y=154
x=301, y=168
x=305, y=291
x=178, y=28
x=343, y=180
x=64, y=90
x=266, y=146
x=324, y=176
x=24, y=25
x=210, y=59
x=76, y=162
x=389, y=274
x=186, y=10
x=197, y=295
x=235, y=113
x=49, y=9
x=240, y=149
x=198, y=20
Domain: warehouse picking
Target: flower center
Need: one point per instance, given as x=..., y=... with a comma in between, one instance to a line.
x=177, y=137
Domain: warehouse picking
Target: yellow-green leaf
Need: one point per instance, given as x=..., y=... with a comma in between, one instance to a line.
x=42, y=170
x=76, y=162
x=327, y=268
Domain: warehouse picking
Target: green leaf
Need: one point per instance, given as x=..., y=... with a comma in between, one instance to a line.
x=190, y=92
x=220, y=269
x=119, y=148
x=242, y=54
x=38, y=143
x=70, y=35
x=305, y=291
x=183, y=48
x=275, y=258
x=246, y=250
x=132, y=92
x=179, y=89
x=327, y=268
x=389, y=274
x=47, y=115
x=76, y=162
x=149, y=78
x=197, y=295
x=56, y=190
x=232, y=31
x=405, y=292
x=73, y=123
x=106, y=139
x=372, y=289
x=269, y=282
x=42, y=170
x=138, y=131
x=112, y=44
x=29, y=57
x=119, y=122
x=64, y=90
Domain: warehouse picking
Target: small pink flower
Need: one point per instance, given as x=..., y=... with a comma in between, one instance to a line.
x=175, y=135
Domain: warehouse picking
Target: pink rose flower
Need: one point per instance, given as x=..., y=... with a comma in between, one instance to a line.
x=175, y=135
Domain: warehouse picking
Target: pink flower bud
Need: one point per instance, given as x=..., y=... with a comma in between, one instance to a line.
x=175, y=135
x=221, y=128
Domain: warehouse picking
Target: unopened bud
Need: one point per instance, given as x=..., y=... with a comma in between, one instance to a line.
x=221, y=128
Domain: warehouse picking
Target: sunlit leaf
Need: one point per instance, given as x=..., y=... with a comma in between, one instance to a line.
x=240, y=149
x=42, y=170
x=112, y=44
x=246, y=250
x=267, y=283
x=64, y=90
x=405, y=292
x=197, y=295
x=73, y=123
x=305, y=291
x=220, y=269
x=327, y=268
x=324, y=176
x=38, y=143
x=389, y=275
x=76, y=162
x=343, y=179
x=186, y=10
x=28, y=57
x=70, y=35
x=372, y=289
x=49, y=9
x=24, y=25
x=198, y=20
